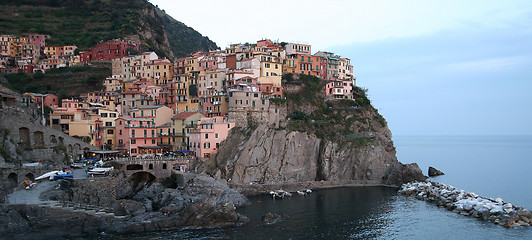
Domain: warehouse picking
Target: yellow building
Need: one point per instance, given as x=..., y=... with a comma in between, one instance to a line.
x=270, y=65
x=182, y=124
x=108, y=118
x=161, y=71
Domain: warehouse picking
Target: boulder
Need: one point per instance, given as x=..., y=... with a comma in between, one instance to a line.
x=272, y=218
x=203, y=186
x=433, y=172
x=206, y=213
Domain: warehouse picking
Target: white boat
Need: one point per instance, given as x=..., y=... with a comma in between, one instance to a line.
x=47, y=175
x=100, y=171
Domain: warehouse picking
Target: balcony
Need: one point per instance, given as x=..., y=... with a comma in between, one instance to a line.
x=171, y=135
x=191, y=125
x=139, y=126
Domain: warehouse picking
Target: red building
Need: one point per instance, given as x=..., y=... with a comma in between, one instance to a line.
x=108, y=50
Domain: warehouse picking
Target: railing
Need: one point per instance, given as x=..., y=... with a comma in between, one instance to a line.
x=139, y=126
x=171, y=134
x=150, y=157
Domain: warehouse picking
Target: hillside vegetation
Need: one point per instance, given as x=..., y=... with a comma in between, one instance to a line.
x=85, y=23
x=338, y=120
x=63, y=82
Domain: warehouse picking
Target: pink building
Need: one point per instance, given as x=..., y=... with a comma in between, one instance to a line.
x=50, y=100
x=136, y=136
x=37, y=39
x=339, y=89
x=206, y=138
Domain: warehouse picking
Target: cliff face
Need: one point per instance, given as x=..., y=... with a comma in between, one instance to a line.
x=334, y=141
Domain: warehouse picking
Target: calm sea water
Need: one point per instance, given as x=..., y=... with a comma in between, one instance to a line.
x=489, y=166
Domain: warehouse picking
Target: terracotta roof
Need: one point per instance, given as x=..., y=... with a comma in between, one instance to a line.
x=183, y=115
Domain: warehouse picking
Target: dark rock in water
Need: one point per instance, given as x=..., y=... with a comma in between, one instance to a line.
x=272, y=218
x=404, y=173
x=433, y=172
x=208, y=213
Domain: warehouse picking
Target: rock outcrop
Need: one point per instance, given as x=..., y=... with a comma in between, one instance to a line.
x=311, y=139
x=271, y=156
x=134, y=207
x=433, y=172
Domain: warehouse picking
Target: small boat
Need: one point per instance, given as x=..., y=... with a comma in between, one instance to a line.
x=100, y=171
x=301, y=193
x=63, y=176
x=308, y=191
x=47, y=175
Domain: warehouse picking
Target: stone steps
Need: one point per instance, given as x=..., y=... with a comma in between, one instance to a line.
x=80, y=208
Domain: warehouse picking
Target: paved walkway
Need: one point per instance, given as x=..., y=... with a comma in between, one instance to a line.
x=31, y=196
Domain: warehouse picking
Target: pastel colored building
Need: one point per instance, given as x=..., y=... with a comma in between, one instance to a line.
x=106, y=128
x=339, y=89
x=164, y=137
x=206, y=138
x=159, y=114
x=182, y=123
x=136, y=136
x=298, y=48
x=49, y=100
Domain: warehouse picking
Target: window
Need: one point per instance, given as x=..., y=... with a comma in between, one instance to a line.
x=206, y=136
x=133, y=141
x=153, y=141
x=133, y=132
x=103, y=115
x=110, y=131
x=133, y=150
x=217, y=145
x=216, y=135
x=120, y=132
x=108, y=124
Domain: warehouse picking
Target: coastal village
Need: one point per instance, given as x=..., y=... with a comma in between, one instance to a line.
x=152, y=106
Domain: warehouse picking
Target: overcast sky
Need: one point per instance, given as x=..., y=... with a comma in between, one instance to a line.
x=431, y=67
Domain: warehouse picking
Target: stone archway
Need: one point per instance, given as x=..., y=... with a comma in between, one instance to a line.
x=142, y=177
x=12, y=179
x=30, y=177
x=61, y=140
x=24, y=135
x=38, y=138
x=70, y=149
x=53, y=139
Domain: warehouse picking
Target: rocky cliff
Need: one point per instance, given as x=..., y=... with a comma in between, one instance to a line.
x=318, y=140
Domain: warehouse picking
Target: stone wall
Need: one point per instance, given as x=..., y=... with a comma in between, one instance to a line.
x=273, y=115
x=25, y=129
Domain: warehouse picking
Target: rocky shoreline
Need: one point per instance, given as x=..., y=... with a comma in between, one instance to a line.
x=468, y=203
x=124, y=208
x=249, y=190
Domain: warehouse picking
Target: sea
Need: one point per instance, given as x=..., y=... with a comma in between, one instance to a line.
x=491, y=166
